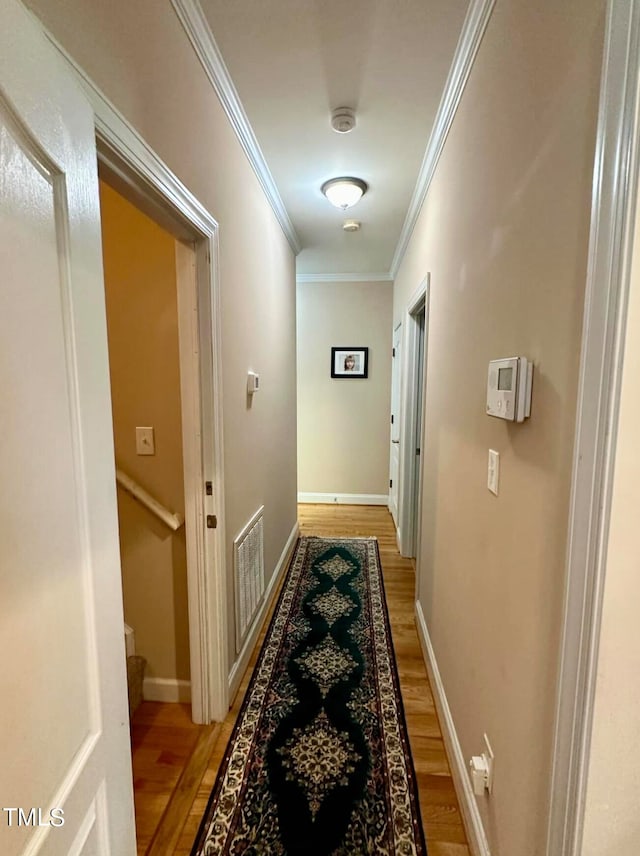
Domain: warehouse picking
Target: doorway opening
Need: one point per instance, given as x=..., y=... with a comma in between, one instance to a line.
x=141, y=296
x=411, y=423
x=189, y=323
x=161, y=295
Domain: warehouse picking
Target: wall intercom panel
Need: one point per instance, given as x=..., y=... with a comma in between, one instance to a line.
x=509, y=388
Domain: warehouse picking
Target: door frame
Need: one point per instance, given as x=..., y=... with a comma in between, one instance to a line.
x=615, y=187
x=133, y=168
x=396, y=388
x=411, y=481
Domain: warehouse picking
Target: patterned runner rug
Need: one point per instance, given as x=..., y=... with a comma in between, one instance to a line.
x=319, y=760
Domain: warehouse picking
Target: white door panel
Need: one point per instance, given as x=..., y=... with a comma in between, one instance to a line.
x=394, y=454
x=63, y=717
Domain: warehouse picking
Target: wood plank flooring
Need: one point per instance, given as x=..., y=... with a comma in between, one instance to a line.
x=175, y=762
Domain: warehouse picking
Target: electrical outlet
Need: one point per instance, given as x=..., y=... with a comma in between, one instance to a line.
x=145, y=443
x=493, y=471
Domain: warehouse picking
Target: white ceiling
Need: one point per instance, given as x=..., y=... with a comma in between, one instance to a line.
x=293, y=61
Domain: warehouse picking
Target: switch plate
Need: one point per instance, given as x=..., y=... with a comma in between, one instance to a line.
x=493, y=471
x=253, y=382
x=145, y=443
x=481, y=770
x=489, y=760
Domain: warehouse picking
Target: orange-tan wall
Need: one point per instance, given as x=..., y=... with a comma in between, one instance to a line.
x=504, y=233
x=142, y=320
x=140, y=57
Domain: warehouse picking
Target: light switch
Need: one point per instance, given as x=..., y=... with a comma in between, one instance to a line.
x=253, y=382
x=493, y=471
x=145, y=444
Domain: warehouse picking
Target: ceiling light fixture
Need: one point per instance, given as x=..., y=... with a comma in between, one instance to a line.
x=344, y=192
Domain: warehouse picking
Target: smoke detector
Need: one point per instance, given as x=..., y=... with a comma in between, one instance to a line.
x=343, y=120
x=351, y=225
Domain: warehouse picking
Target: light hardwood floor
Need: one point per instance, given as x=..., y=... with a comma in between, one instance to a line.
x=175, y=762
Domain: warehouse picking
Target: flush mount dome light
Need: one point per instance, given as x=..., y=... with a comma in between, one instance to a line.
x=344, y=192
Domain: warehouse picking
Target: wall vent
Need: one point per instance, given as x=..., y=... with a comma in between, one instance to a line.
x=248, y=563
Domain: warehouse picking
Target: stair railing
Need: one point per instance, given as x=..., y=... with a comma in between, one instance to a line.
x=173, y=521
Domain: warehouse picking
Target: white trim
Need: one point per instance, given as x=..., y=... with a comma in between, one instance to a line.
x=199, y=33
x=344, y=277
x=128, y=157
x=88, y=825
x=395, y=409
x=473, y=821
x=345, y=498
x=407, y=513
x=398, y=537
x=215, y=601
x=473, y=30
x=240, y=665
x=195, y=344
x=166, y=689
x=76, y=770
x=608, y=280
x=116, y=134
x=173, y=521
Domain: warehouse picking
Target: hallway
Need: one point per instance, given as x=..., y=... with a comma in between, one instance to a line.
x=514, y=217
x=175, y=762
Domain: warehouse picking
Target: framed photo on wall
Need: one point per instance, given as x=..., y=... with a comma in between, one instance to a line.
x=349, y=362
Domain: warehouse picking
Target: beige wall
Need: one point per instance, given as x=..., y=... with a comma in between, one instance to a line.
x=142, y=319
x=612, y=823
x=504, y=233
x=139, y=55
x=343, y=425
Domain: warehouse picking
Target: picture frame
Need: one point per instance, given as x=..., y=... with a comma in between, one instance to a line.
x=349, y=362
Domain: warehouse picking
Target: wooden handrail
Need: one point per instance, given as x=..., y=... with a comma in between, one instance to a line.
x=173, y=521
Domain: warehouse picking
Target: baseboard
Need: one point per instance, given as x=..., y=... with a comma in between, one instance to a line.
x=237, y=670
x=166, y=689
x=473, y=822
x=345, y=498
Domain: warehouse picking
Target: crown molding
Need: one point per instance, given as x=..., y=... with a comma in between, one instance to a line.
x=473, y=30
x=344, y=277
x=115, y=133
x=199, y=33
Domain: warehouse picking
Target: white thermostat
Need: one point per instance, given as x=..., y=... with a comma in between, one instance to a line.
x=509, y=388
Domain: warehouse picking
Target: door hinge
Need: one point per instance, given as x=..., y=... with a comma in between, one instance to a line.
x=212, y=521
x=208, y=488
x=390, y=482
x=393, y=352
x=417, y=451
x=392, y=418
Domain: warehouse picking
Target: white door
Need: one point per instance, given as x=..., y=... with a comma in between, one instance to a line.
x=416, y=504
x=65, y=770
x=394, y=456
